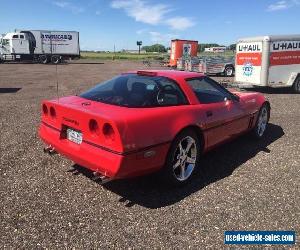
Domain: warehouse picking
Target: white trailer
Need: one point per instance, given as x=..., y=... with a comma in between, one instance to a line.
x=40, y=45
x=268, y=61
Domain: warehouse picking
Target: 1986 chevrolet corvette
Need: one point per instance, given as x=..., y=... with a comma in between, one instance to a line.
x=145, y=121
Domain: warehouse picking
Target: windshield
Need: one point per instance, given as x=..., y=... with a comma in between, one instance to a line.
x=4, y=41
x=134, y=90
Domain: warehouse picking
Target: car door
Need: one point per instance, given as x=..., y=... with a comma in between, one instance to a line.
x=224, y=116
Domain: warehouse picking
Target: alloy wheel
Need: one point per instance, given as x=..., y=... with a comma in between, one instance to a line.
x=262, y=121
x=184, y=159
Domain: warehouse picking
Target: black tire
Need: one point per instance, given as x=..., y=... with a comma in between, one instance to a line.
x=55, y=59
x=171, y=175
x=260, y=129
x=229, y=71
x=43, y=59
x=296, y=85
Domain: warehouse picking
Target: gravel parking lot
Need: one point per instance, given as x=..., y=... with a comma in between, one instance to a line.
x=47, y=202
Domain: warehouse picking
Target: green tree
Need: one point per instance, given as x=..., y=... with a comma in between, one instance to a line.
x=154, y=48
x=232, y=47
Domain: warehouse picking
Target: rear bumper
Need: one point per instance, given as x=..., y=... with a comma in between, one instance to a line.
x=104, y=161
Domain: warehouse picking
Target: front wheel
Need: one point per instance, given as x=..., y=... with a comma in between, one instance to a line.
x=183, y=158
x=262, y=121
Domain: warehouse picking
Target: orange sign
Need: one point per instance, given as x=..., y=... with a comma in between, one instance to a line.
x=253, y=58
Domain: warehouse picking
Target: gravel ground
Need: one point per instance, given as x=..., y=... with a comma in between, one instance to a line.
x=243, y=185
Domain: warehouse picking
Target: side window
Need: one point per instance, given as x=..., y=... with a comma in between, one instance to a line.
x=22, y=36
x=170, y=93
x=15, y=36
x=207, y=90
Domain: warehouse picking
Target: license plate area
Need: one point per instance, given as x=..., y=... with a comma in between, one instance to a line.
x=74, y=135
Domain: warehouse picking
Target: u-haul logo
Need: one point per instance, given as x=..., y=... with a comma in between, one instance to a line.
x=249, y=47
x=285, y=46
x=247, y=69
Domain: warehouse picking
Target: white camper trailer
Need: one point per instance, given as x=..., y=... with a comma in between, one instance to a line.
x=272, y=61
x=40, y=45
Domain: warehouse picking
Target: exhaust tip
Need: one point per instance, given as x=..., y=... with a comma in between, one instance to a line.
x=49, y=150
x=100, y=178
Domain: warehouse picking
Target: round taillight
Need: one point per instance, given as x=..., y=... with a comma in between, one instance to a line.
x=108, y=131
x=52, y=112
x=45, y=109
x=93, y=126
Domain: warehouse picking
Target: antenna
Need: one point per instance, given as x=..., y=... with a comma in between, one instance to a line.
x=56, y=83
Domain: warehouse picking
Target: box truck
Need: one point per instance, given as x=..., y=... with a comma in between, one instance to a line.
x=39, y=45
x=272, y=61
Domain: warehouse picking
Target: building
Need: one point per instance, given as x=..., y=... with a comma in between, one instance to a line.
x=215, y=49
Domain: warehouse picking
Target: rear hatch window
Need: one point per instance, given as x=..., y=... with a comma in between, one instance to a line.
x=134, y=90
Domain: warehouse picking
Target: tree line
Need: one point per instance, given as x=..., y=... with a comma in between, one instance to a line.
x=159, y=48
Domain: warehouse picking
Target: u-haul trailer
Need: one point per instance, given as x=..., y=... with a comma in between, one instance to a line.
x=39, y=45
x=272, y=61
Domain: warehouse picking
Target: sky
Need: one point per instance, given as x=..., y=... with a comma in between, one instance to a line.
x=104, y=24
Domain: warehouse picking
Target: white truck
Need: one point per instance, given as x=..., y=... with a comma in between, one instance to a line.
x=39, y=45
x=268, y=61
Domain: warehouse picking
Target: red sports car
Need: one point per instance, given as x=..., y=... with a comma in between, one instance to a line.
x=144, y=121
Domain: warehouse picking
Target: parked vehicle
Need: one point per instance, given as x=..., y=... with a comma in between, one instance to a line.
x=268, y=61
x=146, y=121
x=217, y=65
x=39, y=45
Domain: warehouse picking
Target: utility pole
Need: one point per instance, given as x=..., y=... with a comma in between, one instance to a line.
x=114, y=52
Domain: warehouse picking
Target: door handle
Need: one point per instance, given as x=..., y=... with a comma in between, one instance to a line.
x=209, y=113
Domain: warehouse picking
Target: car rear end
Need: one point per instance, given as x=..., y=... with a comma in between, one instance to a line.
x=82, y=135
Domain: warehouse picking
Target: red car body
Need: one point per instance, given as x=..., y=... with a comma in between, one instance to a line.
x=120, y=142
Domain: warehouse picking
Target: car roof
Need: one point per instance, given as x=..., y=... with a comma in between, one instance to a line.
x=173, y=74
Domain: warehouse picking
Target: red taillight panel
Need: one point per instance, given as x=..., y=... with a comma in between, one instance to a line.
x=94, y=127
x=108, y=132
x=52, y=112
x=45, y=109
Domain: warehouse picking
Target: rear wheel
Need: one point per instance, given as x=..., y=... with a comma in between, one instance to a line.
x=43, y=59
x=183, y=158
x=296, y=85
x=55, y=59
x=262, y=121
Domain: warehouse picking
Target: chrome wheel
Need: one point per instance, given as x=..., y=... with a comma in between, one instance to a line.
x=262, y=121
x=184, y=159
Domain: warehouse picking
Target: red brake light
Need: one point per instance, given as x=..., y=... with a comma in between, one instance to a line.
x=146, y=73
x=52, y=112
x=45, y=109
x=108, y=132
x=93, y=126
